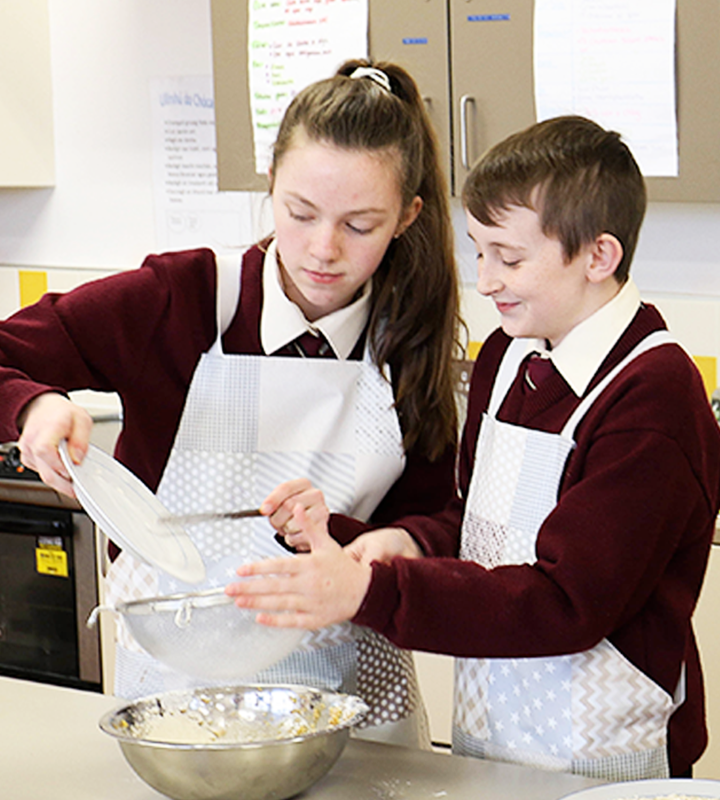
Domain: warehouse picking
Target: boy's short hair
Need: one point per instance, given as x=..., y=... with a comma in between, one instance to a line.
x=581, y=179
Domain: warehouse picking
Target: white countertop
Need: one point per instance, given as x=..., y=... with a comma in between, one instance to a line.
x=52, y=749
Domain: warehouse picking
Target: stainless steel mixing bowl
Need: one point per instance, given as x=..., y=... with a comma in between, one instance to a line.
x=236, y=742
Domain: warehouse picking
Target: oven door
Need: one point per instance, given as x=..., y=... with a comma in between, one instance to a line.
x=48, y=584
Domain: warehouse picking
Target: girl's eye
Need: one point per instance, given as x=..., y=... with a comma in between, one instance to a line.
x=299, y=217
x=356, y=229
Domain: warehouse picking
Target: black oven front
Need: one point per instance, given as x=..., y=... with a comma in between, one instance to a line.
x=48, y=582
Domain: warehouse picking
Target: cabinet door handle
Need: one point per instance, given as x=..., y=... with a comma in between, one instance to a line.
x=465, y=101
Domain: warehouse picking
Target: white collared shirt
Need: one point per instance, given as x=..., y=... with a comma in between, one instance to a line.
x=581, y=352
x=282, y=321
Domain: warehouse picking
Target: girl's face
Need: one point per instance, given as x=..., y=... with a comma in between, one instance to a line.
x=336, y=211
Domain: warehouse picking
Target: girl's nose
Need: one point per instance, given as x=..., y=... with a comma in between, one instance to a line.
x=325, y=246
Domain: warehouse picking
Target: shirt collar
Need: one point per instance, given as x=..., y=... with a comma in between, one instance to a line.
x=579, y=355
x=282, y=321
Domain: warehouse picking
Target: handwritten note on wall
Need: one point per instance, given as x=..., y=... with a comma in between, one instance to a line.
x=612, y=61
x=292, y=43
x=189, y=210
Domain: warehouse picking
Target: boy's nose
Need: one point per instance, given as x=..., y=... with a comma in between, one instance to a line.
x=487, y=282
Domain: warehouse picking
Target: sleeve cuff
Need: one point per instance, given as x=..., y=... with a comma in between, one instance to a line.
x=381, y=599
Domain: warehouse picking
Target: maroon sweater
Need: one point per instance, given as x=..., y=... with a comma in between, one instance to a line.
x=622, y=556
x=140, y=333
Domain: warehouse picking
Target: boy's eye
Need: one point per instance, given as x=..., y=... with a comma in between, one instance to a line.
x=511, y=263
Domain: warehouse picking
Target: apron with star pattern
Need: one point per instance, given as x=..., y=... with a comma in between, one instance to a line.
x=592, y=713
x=248, y=424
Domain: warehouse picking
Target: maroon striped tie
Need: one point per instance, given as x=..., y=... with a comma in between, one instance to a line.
x=539, y=369
x=308, y=345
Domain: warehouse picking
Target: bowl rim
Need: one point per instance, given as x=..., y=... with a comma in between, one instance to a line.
x=105, y=722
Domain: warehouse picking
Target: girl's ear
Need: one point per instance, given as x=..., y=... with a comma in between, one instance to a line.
x=606, y=255
x=409, y=216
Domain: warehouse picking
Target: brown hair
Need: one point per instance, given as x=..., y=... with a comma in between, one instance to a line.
x=414, y=321
x=581, y=179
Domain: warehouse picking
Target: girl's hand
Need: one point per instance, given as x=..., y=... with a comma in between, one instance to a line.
x=45, y=422
x=280, y=505
x=383, y=544
x=310, y=590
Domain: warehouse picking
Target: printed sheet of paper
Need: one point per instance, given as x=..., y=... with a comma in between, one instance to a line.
x=292, y=43
x=612, y=61
x=189, y=210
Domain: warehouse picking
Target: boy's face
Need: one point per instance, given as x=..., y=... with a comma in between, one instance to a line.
x=537, y=292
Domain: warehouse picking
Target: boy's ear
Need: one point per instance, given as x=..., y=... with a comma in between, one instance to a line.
x=607, y=253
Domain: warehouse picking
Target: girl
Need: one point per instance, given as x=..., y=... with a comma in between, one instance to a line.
x=222, y=395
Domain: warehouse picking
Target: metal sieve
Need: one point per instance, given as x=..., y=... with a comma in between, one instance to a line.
x=204, y=634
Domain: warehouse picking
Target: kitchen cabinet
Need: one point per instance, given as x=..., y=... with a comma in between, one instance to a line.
x=474, y=67
x=474, y=93
x=488, y=70
x=27, y=156
x=492, y=77
x=414, y=33
x=457, y=51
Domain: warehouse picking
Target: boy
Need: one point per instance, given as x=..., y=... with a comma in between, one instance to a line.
x=564, y=576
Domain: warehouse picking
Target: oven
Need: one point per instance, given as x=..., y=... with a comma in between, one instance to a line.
x=48, y=582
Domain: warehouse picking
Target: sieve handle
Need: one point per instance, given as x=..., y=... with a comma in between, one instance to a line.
x=95, y=613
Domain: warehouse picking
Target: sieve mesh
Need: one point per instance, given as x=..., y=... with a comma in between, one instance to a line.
x=204, y=634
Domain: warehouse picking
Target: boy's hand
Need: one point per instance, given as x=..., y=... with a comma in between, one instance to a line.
x=45, y=422
x=383, y=544
x=280, y=504
x=310, y=590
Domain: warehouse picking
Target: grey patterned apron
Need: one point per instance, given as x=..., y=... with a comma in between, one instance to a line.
x=250, y=423
x=592, y=713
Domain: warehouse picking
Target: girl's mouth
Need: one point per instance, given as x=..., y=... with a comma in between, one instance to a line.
x=324, y=278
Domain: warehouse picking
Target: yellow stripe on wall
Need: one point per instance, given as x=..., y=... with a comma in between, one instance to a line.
x=33, y=285
x=708, y=369
x=473, y=349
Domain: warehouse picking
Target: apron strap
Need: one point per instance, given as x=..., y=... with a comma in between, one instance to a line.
x=651, y=341
x=229, y=275
x=516, y=351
